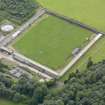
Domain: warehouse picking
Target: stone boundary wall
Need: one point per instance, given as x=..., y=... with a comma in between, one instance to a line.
x=26, y=61
x=73, y=21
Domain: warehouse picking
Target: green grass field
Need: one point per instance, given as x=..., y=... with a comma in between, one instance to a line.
x=90, y=12
x=51, y=41
x=97, y=52
x=6, y=102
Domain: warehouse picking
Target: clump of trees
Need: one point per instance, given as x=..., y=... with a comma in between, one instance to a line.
x=25, y=90
x=17, y=10
x=86, y=88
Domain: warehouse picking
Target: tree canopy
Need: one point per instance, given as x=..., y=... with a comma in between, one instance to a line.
x=17, y=10
x=86, y=88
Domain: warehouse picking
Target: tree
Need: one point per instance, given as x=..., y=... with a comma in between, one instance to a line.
x=17, y=98
x=39, y=93
x=53, y=102
x=90, y=62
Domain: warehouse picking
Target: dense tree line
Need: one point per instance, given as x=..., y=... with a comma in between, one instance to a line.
x=17, y=10
x=86, y=88
x=23, y=90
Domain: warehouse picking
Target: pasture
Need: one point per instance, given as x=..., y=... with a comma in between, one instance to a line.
x=90, y=12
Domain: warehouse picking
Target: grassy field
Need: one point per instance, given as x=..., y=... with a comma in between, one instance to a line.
x=51, y=41
x=90, y=12
x=6, y=102
x=97, y=52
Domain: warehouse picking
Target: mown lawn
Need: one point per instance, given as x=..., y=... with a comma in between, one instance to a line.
x=97, y=53
x=6, y=102
x=51, y=41
x=90, y=12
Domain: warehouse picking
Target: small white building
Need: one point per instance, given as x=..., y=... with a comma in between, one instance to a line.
x=7, y=27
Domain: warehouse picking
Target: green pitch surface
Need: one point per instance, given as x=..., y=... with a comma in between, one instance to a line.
x=51, y=41
x=90, y=12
